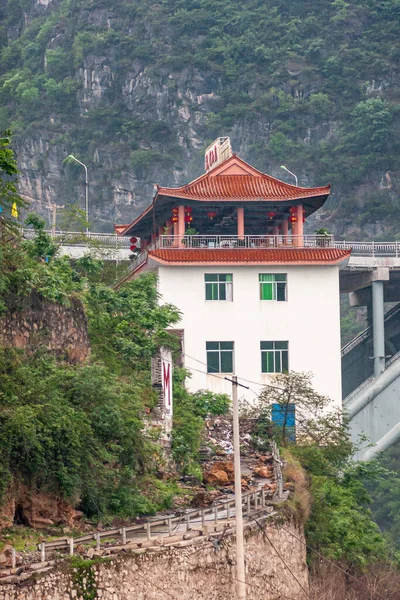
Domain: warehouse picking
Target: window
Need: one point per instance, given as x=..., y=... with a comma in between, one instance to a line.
x=274, y=357
x=219, y=357
x=219, y=287
x=273, y=286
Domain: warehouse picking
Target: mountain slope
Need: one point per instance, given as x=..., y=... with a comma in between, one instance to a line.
x=138, y=89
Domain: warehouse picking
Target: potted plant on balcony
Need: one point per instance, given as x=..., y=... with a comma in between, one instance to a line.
x=187, y=240
x=323, y=237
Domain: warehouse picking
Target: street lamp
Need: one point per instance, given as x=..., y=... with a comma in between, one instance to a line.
x=72, y=157
x=286, y=169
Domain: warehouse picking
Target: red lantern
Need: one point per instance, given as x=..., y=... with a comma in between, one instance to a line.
x=188, y=210
x=175, y=211
x=188, y=218
x=293, y=219
x=293, y=210
x=211, y=215
x=271, y=215
x=175, y=219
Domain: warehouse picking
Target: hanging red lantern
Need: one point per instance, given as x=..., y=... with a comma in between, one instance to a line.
x=271, y=215
x=175, y=218
x=293, y=219
x=188, y=218
x=188, y=210
x=293, y=210
x=211, y=214
x=175, y=211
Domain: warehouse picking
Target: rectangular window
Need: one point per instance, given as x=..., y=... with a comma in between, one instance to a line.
x=273, y=286
x=219, y=357
x=274, y=357
x=219, y=286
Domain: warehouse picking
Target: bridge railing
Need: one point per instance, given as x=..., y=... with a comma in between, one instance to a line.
x=370, y=248
x=81, y=238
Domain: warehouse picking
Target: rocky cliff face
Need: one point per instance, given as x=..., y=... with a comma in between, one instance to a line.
x=137, y=91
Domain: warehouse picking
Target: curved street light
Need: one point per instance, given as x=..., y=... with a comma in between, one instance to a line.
x=286, y=169
x=72, y=157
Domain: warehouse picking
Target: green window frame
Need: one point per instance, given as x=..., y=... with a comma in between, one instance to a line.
x=273, y=286
x=219, y=357
x=219, y=286
x=274, y=357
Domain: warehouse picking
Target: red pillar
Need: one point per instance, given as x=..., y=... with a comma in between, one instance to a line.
x=299, y=225
x=181, y=223
x=285, y=231
x=240, y=223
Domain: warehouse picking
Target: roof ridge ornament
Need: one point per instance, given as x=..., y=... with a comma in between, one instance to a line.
x=217, y=152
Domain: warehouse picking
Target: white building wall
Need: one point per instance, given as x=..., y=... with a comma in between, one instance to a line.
x=309, y=320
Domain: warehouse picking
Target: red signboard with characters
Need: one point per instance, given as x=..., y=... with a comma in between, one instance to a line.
x=167, y=384
x=211, y=157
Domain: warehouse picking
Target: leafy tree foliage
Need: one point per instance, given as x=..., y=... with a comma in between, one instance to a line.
x=341, y=524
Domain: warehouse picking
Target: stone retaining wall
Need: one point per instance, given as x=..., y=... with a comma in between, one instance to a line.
x=192, y=569
x=33, y=322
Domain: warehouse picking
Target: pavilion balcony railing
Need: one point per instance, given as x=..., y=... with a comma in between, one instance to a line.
x=245, y=241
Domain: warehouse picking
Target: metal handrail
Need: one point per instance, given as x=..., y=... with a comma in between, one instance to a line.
x=76, y=238
x=244, y=241
x=366, y=332
x=370, y=248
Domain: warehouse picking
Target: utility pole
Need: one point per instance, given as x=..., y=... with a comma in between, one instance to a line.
x=241, y=582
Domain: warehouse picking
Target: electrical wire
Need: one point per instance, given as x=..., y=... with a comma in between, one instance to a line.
x=265, y=535
x=231, y=577
x=274, y=387
x=329, y=561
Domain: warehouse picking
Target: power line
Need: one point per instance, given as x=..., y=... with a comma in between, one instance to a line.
x=330, y=561
x=158, y=587
x=274, y=387
x=230, y=576
x=264, y=533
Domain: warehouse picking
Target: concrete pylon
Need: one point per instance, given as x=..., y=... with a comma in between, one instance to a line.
x=378, y=327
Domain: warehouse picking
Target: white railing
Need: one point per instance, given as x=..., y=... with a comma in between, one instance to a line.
x=245, y=241
x=370, y=248
x=81, y=238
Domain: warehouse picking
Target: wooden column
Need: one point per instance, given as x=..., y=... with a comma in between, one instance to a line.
x=240, y=223
x=275, y=233
x=300, y=227
x=181, y=223
x=285, y=231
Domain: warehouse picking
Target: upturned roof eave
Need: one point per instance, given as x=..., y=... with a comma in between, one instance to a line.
x=129, y=228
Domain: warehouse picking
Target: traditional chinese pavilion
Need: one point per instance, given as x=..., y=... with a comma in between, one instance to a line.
x=258, y=297
x=231, y=198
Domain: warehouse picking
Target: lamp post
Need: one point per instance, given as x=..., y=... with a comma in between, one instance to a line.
x=72, y=157
x=286, y=169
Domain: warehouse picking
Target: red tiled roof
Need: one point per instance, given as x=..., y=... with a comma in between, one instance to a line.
x=222, y=184
x=250, y=255
x=120, y=228
x=241, y=187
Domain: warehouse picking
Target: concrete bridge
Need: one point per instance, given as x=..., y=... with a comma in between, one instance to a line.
x=371, y=361
x=76, y=244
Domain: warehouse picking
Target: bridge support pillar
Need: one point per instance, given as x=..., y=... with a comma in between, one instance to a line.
x=378, y=327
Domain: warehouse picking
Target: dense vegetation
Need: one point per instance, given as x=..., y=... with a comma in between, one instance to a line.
x=314, y=85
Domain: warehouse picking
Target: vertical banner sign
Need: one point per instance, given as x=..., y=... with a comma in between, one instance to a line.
x=166, y=375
